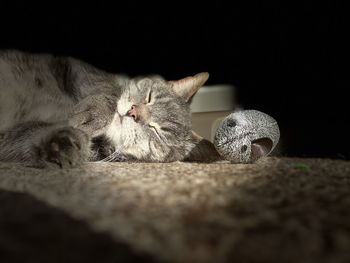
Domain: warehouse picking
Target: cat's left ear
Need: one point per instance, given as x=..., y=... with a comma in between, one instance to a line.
x=187, y=87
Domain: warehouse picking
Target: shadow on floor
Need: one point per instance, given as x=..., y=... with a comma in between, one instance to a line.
x=32, y=231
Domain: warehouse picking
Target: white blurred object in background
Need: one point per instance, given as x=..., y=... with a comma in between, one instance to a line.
x=209, y=107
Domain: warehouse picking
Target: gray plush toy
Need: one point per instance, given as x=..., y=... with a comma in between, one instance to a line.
x=246, y=136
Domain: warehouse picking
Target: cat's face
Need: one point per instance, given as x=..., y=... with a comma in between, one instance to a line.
x=152, y=120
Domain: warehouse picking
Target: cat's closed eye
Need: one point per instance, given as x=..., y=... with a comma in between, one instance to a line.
x=167, y=129
x=149, y=98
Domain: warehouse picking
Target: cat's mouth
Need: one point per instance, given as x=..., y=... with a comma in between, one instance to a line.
x=121, y=118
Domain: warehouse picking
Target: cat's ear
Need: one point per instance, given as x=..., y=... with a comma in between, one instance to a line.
x=187, y=87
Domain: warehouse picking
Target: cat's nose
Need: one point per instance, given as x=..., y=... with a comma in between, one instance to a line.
x=133, y=113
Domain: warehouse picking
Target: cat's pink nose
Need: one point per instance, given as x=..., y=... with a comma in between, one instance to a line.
x=133, y=112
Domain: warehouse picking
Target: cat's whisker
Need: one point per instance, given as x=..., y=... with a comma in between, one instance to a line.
x=108, y=158
x=111, y=157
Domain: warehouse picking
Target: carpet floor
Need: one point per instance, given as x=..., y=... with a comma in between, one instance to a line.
x=276, y=210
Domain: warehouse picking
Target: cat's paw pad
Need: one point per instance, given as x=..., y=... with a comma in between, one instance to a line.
x=67, y=147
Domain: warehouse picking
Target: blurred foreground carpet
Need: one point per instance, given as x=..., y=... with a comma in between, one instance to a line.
x=277, y=210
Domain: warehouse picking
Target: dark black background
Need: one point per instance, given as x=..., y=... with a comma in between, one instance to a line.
x=285, y=59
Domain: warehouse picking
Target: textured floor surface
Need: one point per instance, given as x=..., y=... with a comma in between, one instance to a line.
x=277, y=210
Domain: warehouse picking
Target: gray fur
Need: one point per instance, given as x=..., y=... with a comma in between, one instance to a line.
x=247, y=135
x=63, y=111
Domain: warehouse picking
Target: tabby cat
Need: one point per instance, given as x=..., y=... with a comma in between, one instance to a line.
x=59, y=111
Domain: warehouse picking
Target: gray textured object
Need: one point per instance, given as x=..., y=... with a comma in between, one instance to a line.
x=246, y=136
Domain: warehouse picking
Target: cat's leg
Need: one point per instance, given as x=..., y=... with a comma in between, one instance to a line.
x=42, y=144
x=93, y=114
x=202, y=150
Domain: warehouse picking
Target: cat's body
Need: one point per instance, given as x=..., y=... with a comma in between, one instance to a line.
x=64, y=111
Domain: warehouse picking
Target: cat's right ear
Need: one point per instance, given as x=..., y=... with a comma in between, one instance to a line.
x=187, y=87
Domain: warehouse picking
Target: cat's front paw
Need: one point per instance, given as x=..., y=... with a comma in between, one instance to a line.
x=66, y=147
x=93, y=114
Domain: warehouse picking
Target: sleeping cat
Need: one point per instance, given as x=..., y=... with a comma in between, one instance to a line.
x=62, y=111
